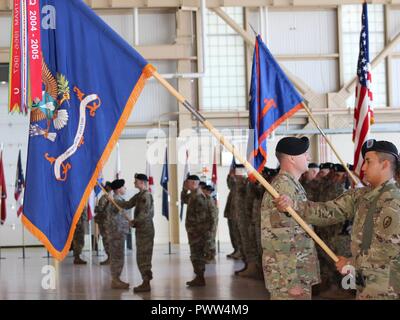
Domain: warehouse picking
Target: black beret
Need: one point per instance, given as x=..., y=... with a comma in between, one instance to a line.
x=313, y=165
x=239, y=165
x=202, y=184
x=351, y=167
x=118, y=183
x=379, y=146
x=327, y=165
x=108, y=184
x=209, y=188
x=293, y=146
x=141, y=176
x=193, y=177
x=274, y=172
x=266, y=171
x=339, y=168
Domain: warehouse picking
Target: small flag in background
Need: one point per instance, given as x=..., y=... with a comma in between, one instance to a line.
x=19, y=185
x=92, y=198
x=186, y=173
x=149, y=176
x=164, y=184
x=3, y=191
x=363, y=111
x=273, y=99
x=214, y=175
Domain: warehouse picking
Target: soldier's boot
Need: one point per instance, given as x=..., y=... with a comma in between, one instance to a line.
x=241, y=270
x=105, y=262
x=116, y=283
x=198, y=281
x=250, y=272
x=237, y=255
x=78, y=260
x=144, y=287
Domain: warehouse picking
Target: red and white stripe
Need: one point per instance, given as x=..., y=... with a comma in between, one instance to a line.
x=363, y=118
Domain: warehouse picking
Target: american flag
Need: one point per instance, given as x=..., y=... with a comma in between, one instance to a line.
x=363, y=112
x=19, y=185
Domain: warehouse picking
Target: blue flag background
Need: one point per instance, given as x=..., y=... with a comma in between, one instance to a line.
x=92, y=79
x=164, y=183
x=273, y=99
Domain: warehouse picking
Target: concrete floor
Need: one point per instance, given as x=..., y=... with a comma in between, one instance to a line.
x=22, y=279
x=29, y=278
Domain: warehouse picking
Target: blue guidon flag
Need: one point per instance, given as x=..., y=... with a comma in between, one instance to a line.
x=273, y=99
x=91, y=81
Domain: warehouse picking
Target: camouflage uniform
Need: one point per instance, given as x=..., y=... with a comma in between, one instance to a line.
x=289, y=255
x=229, y=214
x=239, y=216
x=199, y=225
x=143, y=222
x=312, y=189
x=101, y=220
x=256, y=219
x=329, y=190
x=212, y=241
x=118, y=227
x=247, y=224
x=78, y=241
x=380, y=266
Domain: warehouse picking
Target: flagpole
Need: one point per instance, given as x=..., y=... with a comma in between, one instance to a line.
x=248, y=166
x=351, y=175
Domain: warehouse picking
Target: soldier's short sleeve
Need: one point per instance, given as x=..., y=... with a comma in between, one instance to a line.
x=330, y=212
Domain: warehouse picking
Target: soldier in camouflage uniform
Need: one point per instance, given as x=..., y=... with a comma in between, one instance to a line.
x=101, y=218
x=290, y=260
x=143, y=223
x=208, y=191
x=78, y=241
x=238, y=209
x=248, y=234
x=309, y=181
x=375, y=235
x=199, y=225
x=331, y=187
x=232, y=220
x=118, y=228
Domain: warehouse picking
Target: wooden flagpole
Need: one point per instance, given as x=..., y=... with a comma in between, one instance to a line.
x=248, y=166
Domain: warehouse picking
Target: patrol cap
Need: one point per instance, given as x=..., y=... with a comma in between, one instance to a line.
x=379, y=146
x=327, y=165
x=293, y=146
x=118, y=183
x=339, y=168
x=193, y=177
x=141, y=176
x=313, y=165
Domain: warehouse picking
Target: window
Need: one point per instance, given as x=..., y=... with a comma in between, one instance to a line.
x=351, y=27
x=224, y=87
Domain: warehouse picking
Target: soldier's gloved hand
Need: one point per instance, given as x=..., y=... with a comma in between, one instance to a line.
x=283, y=202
